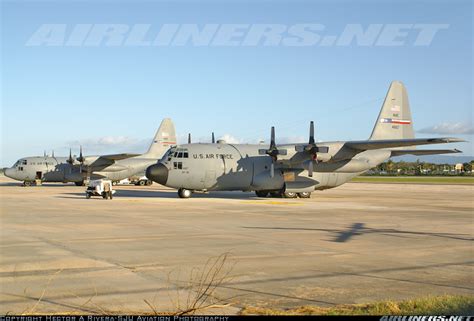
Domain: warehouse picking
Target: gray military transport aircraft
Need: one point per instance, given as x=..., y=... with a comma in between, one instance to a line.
x=114, y=167
x=293, y=170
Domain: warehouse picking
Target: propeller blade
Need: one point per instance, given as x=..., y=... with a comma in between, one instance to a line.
x=272, y=138
x=70, y=159
x=189, y=138
x=311, y=133
x=272, y=170
x=310, y=168
x=213, y=138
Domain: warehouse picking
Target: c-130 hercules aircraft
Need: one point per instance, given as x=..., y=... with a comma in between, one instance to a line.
x=293, y=170
x=114, y=167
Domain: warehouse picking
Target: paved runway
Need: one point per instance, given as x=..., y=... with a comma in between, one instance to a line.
x=357, y=243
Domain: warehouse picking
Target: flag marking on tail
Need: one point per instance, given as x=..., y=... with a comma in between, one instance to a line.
x=395, y=121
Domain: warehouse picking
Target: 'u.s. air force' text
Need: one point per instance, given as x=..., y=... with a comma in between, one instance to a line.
x=212, y=156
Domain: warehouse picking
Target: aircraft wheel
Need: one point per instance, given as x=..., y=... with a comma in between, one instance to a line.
x=27, y=183
x=290, y=195
x=304, y=195
x=81, y=183
x=276, y=194
x=149, y=182
x=88, y=195
x=114, y=183
x=261, y=193
x=184, y=193
x=142, y=183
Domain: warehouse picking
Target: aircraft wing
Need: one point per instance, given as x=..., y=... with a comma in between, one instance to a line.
x=114, y=157
x=400, y=152
x=391, y=143
x=106, y=160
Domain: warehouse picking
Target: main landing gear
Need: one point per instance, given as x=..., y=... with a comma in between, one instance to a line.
x=280, y=194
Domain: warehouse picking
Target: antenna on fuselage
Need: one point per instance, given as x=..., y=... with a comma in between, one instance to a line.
x=213, y=140
x=189, y=138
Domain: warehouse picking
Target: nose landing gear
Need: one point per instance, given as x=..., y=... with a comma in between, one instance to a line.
x=184, y=193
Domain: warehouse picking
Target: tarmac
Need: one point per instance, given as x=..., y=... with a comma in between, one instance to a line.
x=147, y=250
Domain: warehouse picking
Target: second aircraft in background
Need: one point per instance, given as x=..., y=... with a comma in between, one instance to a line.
x=114, y=167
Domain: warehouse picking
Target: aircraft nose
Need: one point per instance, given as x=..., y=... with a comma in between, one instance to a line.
x=157, y=173
x=7, y=172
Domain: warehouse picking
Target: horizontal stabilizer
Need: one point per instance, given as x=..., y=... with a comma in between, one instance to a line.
x=392, y=143
x=399, y=152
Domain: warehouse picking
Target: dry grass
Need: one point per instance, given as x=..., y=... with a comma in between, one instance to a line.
x=197, y=294
x=431, y=305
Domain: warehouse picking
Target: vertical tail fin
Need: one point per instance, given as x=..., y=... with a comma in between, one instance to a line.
x=394, y=121
x=164, y=138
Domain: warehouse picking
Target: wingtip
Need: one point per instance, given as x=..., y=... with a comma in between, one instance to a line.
x=454, y=140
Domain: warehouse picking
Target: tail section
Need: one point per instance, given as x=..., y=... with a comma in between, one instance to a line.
x=394, y=121
x=164, y=138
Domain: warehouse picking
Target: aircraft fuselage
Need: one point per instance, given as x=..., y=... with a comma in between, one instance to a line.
x=213, y=167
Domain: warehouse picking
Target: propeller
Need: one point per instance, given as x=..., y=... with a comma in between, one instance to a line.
x=272, y=151
x=189, y=138
x=213, y=140
x=80, y=158
x=312, y=149
x=70, y=160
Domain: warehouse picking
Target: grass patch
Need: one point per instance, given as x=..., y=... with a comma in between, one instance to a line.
x=415, y=179
x=432, y=305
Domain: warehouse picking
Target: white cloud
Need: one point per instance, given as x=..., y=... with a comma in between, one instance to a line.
x=447, y=128
x=229, y=139
x=109, y=144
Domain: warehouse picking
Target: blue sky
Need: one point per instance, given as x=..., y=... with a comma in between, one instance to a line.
x=112, y=98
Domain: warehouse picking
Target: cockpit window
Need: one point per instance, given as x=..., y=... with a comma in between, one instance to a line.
x=169, y=153
x=24, y=162
x=181, y=153
x=176, y=153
